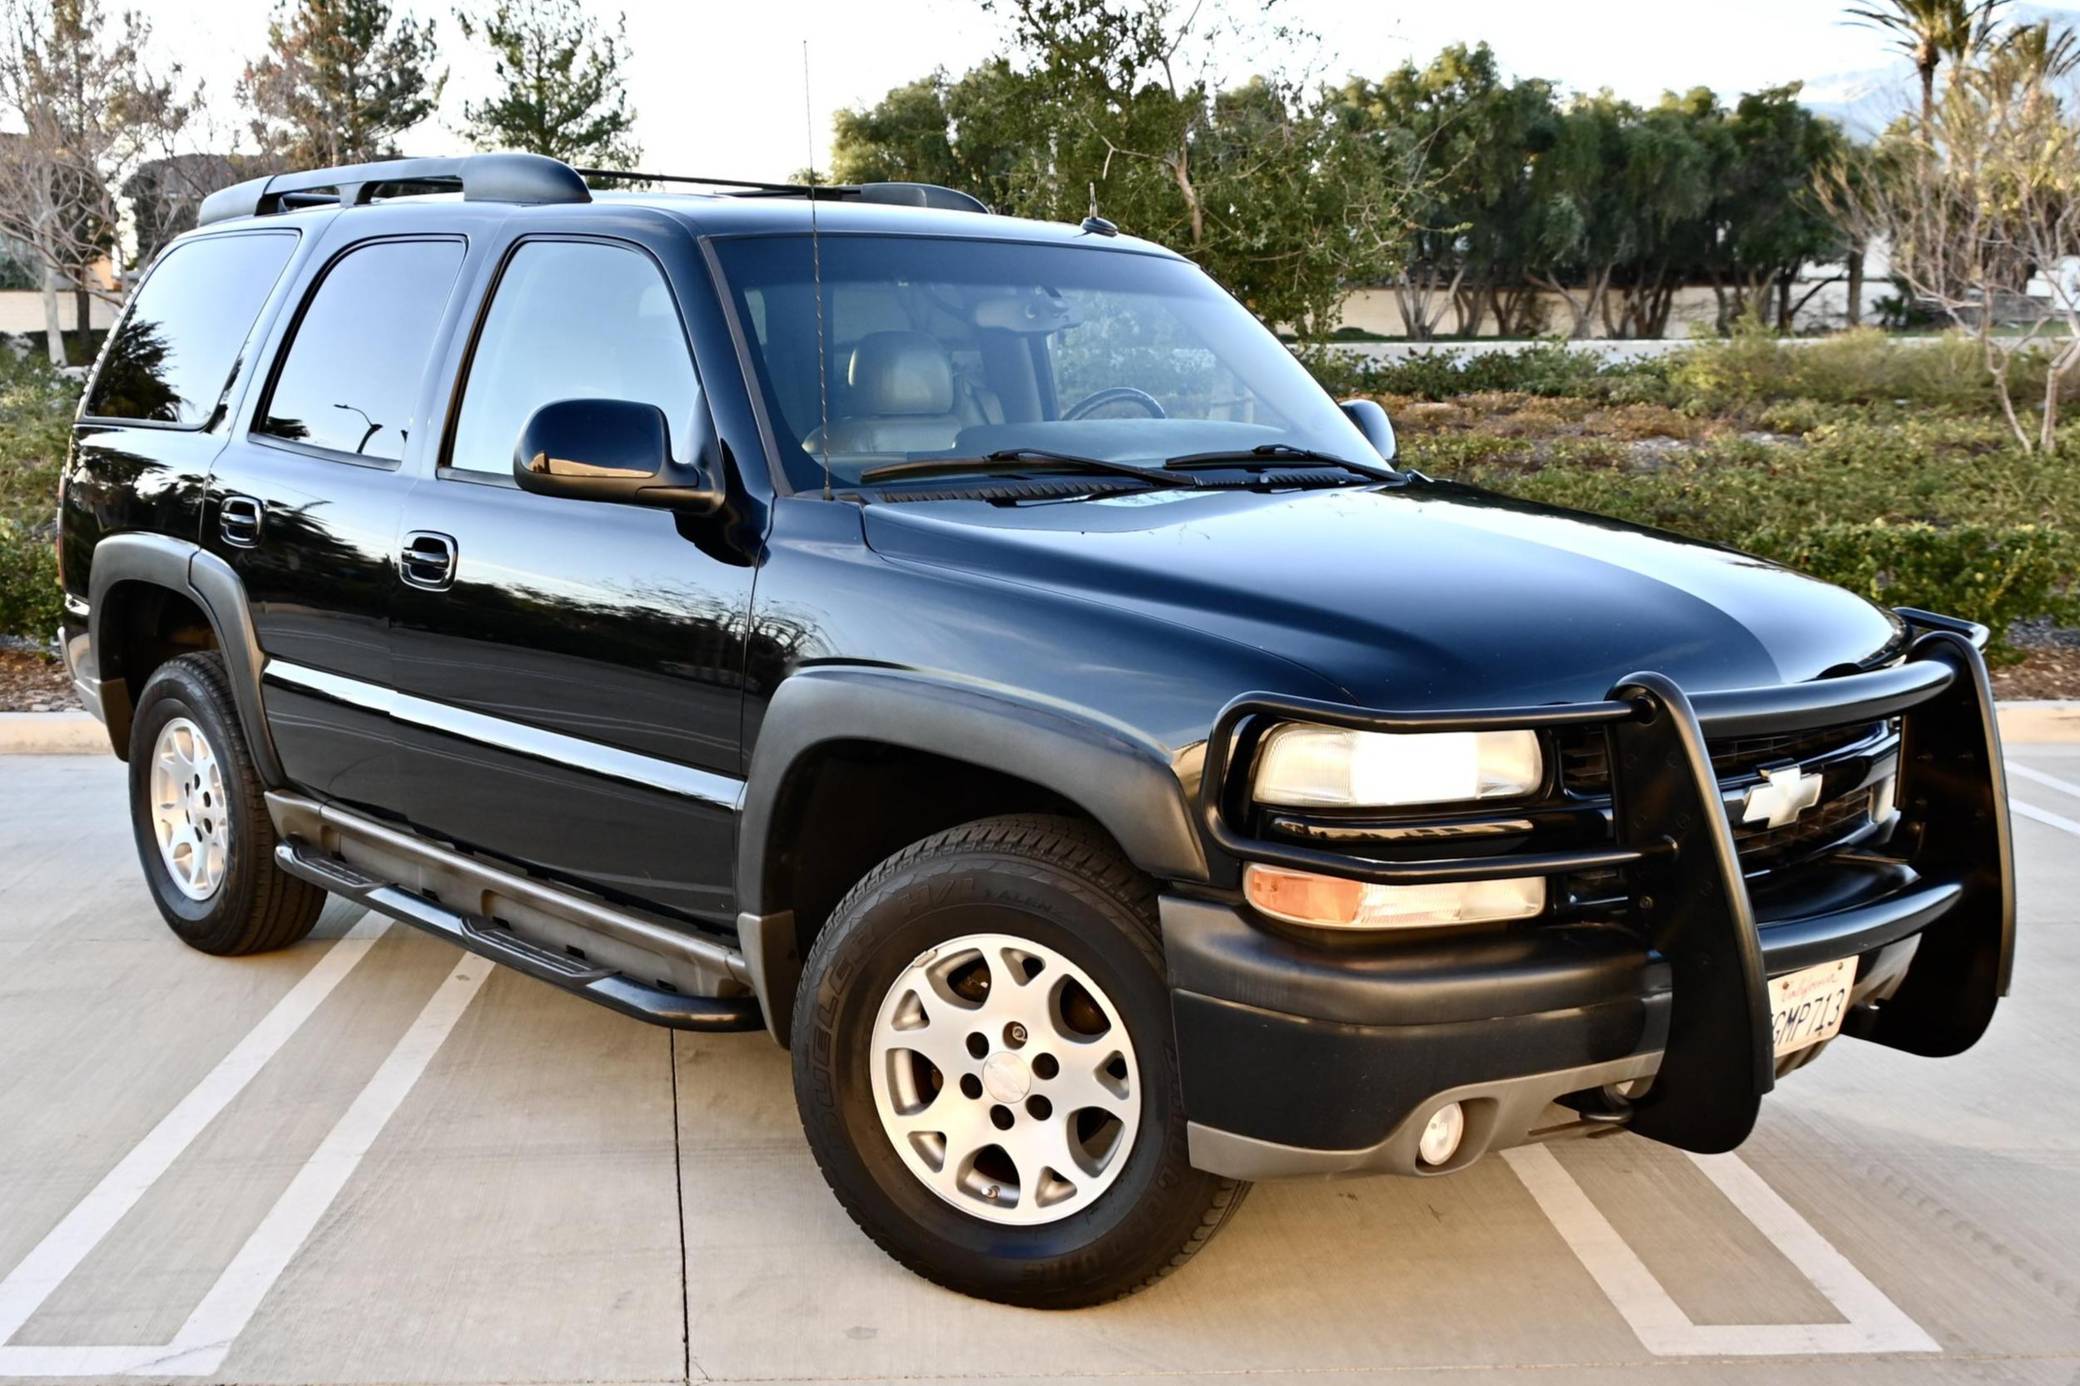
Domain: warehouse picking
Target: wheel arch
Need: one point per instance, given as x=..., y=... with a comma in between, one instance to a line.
x=828, y=733
x=134, y=574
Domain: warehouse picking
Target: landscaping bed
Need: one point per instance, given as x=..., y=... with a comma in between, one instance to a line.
x=1882, y=467
x=33, y=681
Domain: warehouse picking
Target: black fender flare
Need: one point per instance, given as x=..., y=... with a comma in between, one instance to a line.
x=208, y=581
x=1121, y=778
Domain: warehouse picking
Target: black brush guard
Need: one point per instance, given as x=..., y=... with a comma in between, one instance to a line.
x=1672, y=838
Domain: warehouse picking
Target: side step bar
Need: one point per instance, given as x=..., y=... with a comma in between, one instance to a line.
x=459, y=877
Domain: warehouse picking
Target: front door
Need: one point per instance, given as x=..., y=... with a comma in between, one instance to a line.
x=304, y=503
x=571, y=670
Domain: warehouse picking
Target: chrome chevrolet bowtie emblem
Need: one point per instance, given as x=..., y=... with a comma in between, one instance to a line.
x=1783, y=795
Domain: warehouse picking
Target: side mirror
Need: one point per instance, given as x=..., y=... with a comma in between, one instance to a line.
x=607, y=450
x=1372, y=421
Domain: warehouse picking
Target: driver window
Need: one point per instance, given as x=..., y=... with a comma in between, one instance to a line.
x=1124, y=346
x=572, y=320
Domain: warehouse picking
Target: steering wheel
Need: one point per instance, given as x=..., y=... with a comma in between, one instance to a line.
x=1117, y=394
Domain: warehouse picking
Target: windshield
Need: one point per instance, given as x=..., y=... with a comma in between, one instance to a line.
x=943, y=348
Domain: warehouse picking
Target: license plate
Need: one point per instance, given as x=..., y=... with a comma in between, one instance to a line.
x=1807, y=1007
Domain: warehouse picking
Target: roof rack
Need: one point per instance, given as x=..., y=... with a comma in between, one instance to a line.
x=523, y=178
x=893, y=194
x=528, y=178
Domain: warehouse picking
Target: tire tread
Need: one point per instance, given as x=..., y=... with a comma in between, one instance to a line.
x=1057, y=845
x=281, y=909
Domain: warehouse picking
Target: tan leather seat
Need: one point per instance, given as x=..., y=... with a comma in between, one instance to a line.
x=901, y=398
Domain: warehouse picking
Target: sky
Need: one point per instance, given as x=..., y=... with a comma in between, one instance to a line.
x=719, y=90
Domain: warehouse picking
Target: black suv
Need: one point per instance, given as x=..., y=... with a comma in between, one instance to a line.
x=976, y=652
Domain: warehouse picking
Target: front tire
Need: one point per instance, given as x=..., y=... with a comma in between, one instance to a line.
x=986, y=1072
x=200, y=819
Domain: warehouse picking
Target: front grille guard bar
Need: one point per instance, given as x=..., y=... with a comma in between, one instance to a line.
x=1673, y=838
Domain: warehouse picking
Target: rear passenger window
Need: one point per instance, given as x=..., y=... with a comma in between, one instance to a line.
x=572, y=320
x=171, y=359
x=350, y=377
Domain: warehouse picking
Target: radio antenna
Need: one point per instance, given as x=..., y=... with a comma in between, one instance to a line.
x=823, y=368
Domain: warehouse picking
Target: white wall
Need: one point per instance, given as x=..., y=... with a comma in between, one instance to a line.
x=21, y=310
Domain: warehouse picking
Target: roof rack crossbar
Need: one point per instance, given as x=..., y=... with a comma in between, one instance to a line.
x=896, y=194
x=749, y=185
x=523, y=178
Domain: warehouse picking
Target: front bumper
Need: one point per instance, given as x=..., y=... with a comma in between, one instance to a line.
x=1299, y=1059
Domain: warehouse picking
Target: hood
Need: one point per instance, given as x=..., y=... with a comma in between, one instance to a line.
x=1427, y=596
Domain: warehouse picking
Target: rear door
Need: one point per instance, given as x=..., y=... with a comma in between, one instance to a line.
x=305, y=502
x=156, y=415
x=571, y=670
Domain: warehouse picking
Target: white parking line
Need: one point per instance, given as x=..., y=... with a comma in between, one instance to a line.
x=2031, y=773
x=2044, y=816
x=81, y=1230
x=1873, y=1322
x=203, y=1341
x=231, y=1302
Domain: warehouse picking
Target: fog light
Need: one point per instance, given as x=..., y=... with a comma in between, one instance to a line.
x=1336, y=902
x=1442, y=1135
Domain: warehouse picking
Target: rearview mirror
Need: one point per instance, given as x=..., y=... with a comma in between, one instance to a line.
x=1372, y=421
x=607, y=450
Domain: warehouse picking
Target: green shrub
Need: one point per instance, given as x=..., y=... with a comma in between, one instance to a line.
x=36, y=408
x=1864, y=366
x=1994, y=574
x=1543, y=368
x=30, y=602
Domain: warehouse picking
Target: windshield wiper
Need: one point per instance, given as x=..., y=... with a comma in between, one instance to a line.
x=1272, y=455
x=1017, y=460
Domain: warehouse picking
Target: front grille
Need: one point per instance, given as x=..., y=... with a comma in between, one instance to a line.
x=1585, y=766
x=1585, y=771
x=1763, y=848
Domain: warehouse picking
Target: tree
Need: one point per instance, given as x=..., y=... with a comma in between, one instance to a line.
x=975, y=132
x=1988, y=199
x=561, y=91
x=1461, y=139
x=1665, y=178
x=92, y=111
x=1770, y=217
x=1580, y=223
x=1259, y=184
x=341, y=81
x=1931, y=32
x=2044, y=54
x=166, y=193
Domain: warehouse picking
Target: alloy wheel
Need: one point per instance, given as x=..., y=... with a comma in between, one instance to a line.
x=1005, y=1079
x=190, y=819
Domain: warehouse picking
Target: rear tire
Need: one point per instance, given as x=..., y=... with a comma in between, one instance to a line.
x=898, y=971
x=200, y=819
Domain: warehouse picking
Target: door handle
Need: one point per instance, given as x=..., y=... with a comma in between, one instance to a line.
x=239, y=519
x=428, y=560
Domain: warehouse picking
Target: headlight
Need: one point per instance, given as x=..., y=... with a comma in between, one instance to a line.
x=1336, y=902
x=1307, y=766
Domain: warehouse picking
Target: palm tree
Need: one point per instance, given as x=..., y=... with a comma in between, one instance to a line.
x=1931, y=31
x=2043, y=53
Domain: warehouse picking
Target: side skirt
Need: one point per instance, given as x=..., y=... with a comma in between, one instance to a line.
x=626, y=961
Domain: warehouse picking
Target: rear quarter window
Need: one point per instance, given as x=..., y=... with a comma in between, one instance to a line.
x=171, y=359
x=348, y=381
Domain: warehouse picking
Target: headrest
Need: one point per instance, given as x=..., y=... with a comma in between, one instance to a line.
x=900, y=373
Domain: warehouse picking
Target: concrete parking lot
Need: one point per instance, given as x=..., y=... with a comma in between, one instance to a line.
x=371, y=1159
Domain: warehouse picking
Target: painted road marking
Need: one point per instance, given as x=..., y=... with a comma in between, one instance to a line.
x=2031, y=773
x=62, y=1249
x=203, y=1341
x=1873, y=1323
x=2044, y=816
